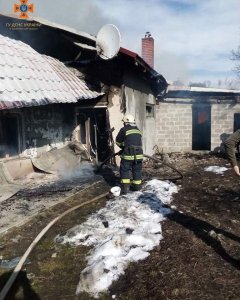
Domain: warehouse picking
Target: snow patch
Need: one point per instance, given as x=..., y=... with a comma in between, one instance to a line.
x=215, y=169
x=124, y=231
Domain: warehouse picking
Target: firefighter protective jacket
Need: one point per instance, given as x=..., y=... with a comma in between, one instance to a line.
x=129, y=139
x=230, y=147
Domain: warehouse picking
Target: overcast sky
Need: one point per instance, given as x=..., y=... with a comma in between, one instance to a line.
x=193, y=39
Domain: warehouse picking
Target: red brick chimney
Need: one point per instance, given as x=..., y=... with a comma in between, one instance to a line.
x=148, y=49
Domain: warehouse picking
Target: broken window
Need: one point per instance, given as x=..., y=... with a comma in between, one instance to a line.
x=9, y=135
x=149, y=110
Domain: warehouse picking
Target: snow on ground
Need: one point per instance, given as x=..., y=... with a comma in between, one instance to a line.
x=124, y=231
x=216, y=169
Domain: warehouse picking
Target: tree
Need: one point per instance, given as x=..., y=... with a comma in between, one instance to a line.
x=236, y=57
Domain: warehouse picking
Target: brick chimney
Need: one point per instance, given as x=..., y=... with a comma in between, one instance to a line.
x=148, y=49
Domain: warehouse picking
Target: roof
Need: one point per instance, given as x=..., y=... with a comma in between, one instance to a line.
x=65, y=44
x=128, y=52
x=28, y=78
x=158, y=82
x=63, y=27
x=84, y=36
x=201, y=89
x=200, y=93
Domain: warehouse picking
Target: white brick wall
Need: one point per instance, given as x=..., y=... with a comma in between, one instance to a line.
x=222, y=122
x=174, y=127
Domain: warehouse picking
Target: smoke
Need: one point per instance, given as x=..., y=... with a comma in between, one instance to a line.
x=173, y=67
x=83, y=172
x=82, y=15
x=181, y=30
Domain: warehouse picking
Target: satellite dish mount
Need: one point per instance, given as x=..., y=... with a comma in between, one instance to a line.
x=108, y=41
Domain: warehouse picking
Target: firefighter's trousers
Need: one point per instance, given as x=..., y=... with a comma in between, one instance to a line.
x=130, y=169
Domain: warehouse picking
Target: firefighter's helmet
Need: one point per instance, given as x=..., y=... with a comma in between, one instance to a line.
x=128, y=118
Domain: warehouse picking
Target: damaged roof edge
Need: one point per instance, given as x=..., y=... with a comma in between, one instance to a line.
x=63, y=27
x=160, y=83
x=78, y=34
x=157, y=81
x=214, y=93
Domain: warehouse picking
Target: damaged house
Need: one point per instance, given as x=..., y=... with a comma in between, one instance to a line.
x=125, y=83
x=38, y=104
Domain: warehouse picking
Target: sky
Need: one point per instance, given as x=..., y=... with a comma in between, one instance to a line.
x=124, y=231
x=193, y=39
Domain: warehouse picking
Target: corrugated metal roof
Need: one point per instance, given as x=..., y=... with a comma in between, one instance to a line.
x=28, y=78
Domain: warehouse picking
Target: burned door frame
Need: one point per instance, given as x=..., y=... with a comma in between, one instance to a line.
x=201, y=127
x=18, y=131
x=87, y=128
x=236, y=121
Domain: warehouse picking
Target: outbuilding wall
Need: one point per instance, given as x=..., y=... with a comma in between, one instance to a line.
x=174, y=127
x=174, y=124
x=222, y=123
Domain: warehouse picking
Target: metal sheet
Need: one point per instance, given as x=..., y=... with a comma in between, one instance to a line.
x=8, y=189
x=59, y=160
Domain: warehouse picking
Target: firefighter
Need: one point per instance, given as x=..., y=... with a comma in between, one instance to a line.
x=129, y=139
x=230, y=145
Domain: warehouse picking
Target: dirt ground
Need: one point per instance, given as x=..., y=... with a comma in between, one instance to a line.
x=198, y=258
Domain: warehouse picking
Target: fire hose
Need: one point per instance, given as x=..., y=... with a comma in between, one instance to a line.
x=149, y=157
x=12, y=278
x=18, y=268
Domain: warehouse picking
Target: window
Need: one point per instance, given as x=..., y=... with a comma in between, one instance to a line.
x=9, y=135
x=149, y=110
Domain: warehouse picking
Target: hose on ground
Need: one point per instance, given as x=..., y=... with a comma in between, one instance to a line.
x=18, y=268
x=167, y=165
x=147, y=156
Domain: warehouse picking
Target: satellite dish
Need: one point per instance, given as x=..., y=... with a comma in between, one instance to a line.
x=108, y=41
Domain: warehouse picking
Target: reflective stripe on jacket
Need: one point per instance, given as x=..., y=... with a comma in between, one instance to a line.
x=129, y=139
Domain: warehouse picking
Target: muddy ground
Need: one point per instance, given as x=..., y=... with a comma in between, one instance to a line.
x=198, y=258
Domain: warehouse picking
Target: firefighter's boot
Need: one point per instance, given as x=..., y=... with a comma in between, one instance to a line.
x=136, y=187
x=125, y=187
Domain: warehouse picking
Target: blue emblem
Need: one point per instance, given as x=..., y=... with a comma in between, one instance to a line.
x=23, y=8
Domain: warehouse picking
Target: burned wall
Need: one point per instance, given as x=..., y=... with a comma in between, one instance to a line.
x=47, y=127
x=142, y=106
x=116, y=111
x=140, y=102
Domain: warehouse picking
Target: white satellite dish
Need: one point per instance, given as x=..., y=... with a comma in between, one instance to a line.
x=108, y=41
